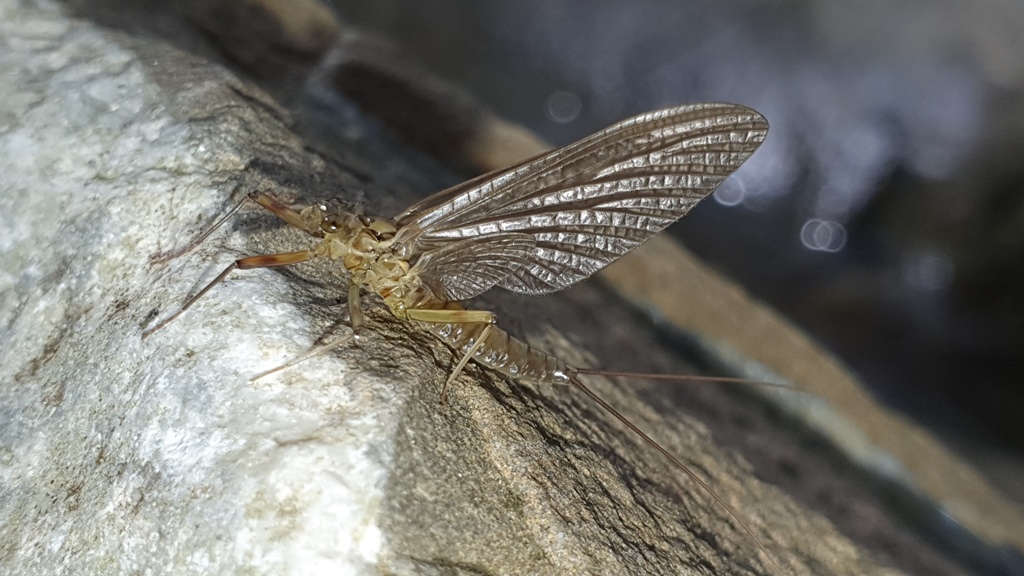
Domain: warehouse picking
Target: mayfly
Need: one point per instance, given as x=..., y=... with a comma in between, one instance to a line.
x=535, y=227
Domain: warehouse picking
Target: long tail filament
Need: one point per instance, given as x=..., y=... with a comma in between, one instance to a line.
x=675, y=462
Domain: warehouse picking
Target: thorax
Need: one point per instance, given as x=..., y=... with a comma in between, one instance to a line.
x=372, y=259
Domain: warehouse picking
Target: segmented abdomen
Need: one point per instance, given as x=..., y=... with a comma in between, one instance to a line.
x=503, y=353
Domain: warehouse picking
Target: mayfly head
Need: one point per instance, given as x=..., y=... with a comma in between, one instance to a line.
x=342, y=225
x=355, y=239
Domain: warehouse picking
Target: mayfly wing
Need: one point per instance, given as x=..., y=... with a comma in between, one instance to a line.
x=462, y=269
x=588, y=203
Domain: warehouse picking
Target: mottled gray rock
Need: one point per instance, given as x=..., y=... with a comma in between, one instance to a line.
x=119, y=455
x=124, y=456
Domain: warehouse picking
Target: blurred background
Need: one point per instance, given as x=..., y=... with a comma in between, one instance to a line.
x=884, y=213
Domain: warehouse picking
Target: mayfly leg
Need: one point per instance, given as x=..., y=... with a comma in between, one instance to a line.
x=315, y=351
x=450, y=316
x=465, y=358
x=457, y=316
x=355, y=321
x=168, y=256
x=262, y=261
x=273, y=205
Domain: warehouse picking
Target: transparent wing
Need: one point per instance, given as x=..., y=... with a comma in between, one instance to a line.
x=463, y=269
x=588, y=203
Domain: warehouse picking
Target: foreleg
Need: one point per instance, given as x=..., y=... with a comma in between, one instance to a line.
x=262, y=261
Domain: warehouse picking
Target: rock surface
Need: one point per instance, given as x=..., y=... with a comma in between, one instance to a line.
x=124, y=456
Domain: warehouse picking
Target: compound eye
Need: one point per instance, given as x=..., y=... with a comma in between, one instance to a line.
x=330, y=223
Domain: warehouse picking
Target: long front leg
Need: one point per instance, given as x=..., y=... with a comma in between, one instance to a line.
x=161, y=258
x=273, y=205
x=285, y=212
x=262, y=261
